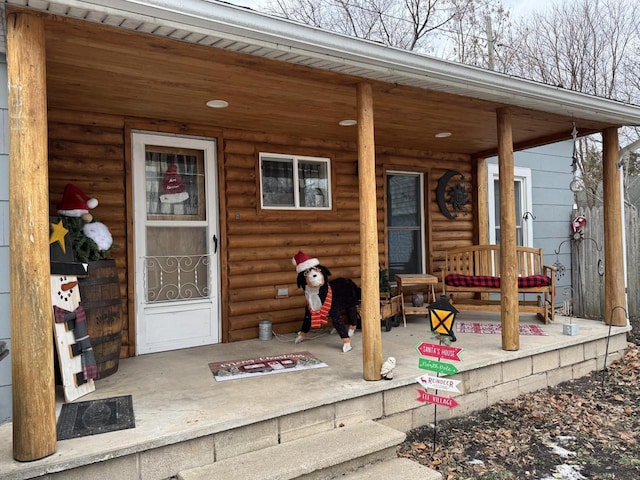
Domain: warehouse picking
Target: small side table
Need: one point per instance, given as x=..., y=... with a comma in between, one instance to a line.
x=415, y=280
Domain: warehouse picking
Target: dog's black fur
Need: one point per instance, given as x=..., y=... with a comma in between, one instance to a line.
x=346, y=296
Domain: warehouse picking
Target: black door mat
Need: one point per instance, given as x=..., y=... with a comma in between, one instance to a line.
x=95, y=416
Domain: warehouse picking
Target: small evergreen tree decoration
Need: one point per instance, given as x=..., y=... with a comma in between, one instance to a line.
x=90, y=240
x=84, y=248
x=383, y=275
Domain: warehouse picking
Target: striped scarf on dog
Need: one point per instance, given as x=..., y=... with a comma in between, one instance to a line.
x=319, y=318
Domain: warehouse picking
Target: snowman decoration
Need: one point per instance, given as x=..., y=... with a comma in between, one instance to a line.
x=75, y=354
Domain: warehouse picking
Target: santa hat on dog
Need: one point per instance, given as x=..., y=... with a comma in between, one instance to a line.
x=303, y=262
x=75, y=202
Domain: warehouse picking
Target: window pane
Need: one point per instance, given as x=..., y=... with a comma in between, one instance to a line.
x=517, y=189
x=403, y=197
x=404, y=223
x=277, y=183
x=175, y=184
x=517, y=186
x=314, y=184
x=404, y=252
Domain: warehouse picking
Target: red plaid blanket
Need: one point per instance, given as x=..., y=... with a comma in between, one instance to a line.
x=534, y=281
x=458, y=280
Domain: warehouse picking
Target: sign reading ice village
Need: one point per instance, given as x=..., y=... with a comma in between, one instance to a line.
x=439, y=367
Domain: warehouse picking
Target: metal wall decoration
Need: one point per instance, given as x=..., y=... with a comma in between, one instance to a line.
x=456, y=195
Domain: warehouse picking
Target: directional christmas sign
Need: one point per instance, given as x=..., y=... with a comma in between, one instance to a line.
x=427, y=397
x=439, y=383
x=438, y=367
x=439, y=351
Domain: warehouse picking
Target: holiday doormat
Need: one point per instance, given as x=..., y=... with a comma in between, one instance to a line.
x=496, y=328
x=266, y=365
x=95, y=416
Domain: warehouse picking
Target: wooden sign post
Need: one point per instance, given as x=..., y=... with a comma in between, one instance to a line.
x=438, y=351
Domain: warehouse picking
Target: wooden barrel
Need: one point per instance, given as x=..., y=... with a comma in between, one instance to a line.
x=100, y=297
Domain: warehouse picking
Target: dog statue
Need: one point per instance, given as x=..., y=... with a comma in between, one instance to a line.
x=326, y=300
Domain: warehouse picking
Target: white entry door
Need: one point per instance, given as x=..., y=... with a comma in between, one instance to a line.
x=176, y=242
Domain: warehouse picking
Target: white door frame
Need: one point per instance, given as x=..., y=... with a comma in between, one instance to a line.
x=522, y=175
x=175, y=311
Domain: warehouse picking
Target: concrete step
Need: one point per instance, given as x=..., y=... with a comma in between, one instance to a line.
x=394, y=469
x=323, y=456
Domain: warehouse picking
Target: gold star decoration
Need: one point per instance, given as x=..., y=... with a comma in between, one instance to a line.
x=58, y=232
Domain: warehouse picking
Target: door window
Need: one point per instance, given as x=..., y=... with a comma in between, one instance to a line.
x=176, y=261
x=523, y=195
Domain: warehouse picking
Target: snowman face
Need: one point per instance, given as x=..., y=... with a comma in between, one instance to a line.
x=65, y=292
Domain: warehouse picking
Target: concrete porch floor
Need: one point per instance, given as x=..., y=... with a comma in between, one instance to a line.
x=176, y=398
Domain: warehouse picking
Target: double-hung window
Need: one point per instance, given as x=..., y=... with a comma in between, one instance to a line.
x=405, y=220
x=295, y=182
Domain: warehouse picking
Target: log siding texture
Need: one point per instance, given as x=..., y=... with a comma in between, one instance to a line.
x=256, y=245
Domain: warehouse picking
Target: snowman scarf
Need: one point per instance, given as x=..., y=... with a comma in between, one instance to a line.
x=81, y=334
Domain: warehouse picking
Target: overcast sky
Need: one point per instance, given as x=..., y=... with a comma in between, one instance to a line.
x=518, y=7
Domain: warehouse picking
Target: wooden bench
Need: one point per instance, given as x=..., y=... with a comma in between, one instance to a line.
x=476, y=269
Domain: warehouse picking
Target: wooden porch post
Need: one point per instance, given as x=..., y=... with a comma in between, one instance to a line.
x=481, y=210
x=614, y=293
x=508, y=262
x=370, y=307
x=34, y=416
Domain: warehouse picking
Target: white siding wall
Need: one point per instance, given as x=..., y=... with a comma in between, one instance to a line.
x=5, y=317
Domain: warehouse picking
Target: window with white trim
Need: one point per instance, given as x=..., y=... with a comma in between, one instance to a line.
x=523, y=204
x=295, y=182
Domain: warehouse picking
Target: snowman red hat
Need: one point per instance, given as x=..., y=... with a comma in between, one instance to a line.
x=75, y=203
x=173, y=189
x=303, y=262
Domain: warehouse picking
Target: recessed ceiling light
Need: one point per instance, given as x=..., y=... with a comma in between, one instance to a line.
x=347, y=123
x=217, y=104
x=443, y=135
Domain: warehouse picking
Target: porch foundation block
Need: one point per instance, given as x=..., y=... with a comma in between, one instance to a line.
x=482, y=378
x=559, y=375
x=359, y=409
x=505, y=391
x=532, y=383
x=164, y=461
x=306, y=423
x=519, y=368
x=246, y=439
x=545, y=362
x=575, y=354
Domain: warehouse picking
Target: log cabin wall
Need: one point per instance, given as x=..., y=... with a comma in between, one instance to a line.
x=261, y=243
x=257, y=245
x=88, y=151
x=441, y=233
